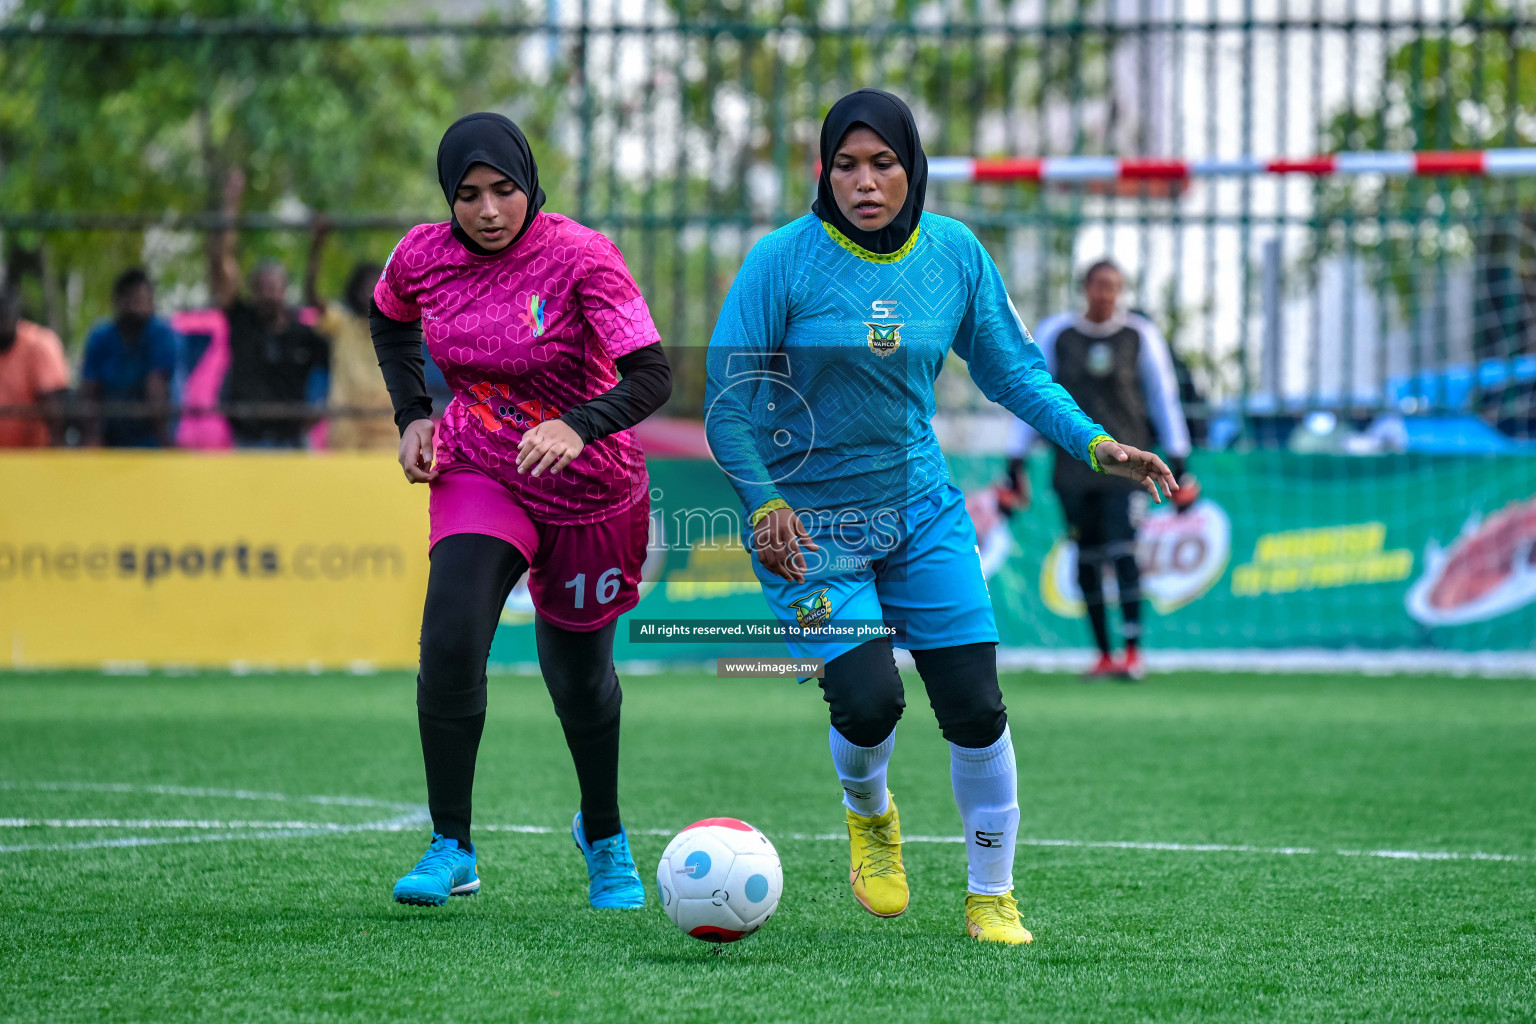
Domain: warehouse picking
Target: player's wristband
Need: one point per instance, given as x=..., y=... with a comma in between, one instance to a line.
x=1093, y=447
x=765, y=508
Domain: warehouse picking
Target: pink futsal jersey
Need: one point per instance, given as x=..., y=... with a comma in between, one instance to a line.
x=522, y=336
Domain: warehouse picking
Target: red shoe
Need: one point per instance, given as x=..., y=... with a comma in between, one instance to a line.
x=1132, y=667
x=1105, y=668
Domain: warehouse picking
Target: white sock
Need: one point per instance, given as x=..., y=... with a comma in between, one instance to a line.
x=861, y=770
x=986, y=783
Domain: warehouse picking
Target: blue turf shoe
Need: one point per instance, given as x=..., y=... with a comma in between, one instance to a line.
x=444, y=871
x=612, y=881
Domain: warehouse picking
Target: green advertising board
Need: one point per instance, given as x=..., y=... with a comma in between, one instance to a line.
x=1281, y=551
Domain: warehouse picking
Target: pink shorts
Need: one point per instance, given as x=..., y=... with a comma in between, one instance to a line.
x=580, y=577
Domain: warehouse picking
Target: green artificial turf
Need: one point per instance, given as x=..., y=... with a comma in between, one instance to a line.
x=301, y=927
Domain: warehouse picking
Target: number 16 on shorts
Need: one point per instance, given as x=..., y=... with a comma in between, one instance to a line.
x=608, y=585
x=583, y=577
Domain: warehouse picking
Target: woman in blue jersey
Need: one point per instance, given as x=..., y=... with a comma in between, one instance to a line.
x=818, y=407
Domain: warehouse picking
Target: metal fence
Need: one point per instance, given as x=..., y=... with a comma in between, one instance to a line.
x=687, y=129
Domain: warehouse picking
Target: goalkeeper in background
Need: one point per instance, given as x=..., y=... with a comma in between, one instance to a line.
x=1118, y=368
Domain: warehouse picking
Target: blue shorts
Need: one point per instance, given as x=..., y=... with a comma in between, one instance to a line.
x=917, y=570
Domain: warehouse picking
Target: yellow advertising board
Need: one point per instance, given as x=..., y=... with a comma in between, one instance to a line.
x=269, y=559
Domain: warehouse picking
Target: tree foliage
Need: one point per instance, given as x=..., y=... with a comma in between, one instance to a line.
x=1468, y=87
x=126, y=125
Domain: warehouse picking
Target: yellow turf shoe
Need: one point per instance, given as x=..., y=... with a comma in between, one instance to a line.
x=874, y=861
x=995, y=919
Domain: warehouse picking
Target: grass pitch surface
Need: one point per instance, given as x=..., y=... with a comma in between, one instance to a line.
x=227, y=893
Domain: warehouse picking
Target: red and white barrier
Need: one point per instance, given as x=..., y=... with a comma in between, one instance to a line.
x=1493, y=163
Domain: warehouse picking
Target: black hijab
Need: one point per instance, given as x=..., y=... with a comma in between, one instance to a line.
x=495, y=141
x=888, y=117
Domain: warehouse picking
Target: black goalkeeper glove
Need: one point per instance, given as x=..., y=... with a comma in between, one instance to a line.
x=1189, y=487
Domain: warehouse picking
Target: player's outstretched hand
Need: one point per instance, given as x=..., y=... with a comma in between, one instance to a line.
x=551, y=445
x=779, y=538
x=1143, y=467
x=416, y=452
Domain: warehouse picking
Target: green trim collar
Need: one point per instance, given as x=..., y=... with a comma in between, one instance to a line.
x=864, y=254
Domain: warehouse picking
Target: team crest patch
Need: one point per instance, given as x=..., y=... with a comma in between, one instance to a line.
x=884, y=338
x=1101, y=359
x=813, y=612
x=534, y=317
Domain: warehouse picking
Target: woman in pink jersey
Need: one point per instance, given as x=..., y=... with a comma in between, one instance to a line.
x=549, y=347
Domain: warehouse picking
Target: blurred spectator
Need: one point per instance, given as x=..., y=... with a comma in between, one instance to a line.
x=366, y=418
x=271, y=357
x=34, y=379
x=271, y=353
x=130, y=359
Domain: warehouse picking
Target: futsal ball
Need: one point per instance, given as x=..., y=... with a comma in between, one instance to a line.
x=719, y=879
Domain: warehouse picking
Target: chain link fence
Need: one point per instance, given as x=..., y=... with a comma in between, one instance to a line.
x=686, y=130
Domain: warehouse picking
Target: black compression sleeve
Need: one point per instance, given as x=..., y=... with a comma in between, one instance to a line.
x=645, y=387
x=398, y=345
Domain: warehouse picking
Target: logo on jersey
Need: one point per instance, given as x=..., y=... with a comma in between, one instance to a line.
x=534, y=318
x=496, y=408
x=1101, y=359
x=884, y=336
x=813, y=612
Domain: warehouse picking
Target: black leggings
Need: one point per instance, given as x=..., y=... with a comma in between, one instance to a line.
x=467, y=586
x=864, y=690
x=1102, y=524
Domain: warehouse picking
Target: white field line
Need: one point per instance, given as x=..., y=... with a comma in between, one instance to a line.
x=408, y=817
x=199, y=823
x=415, y=817
x=1089, y=844
x=411, y=822
x=201, y=791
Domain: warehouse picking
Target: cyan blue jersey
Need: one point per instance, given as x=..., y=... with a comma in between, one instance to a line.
x=822, y=365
